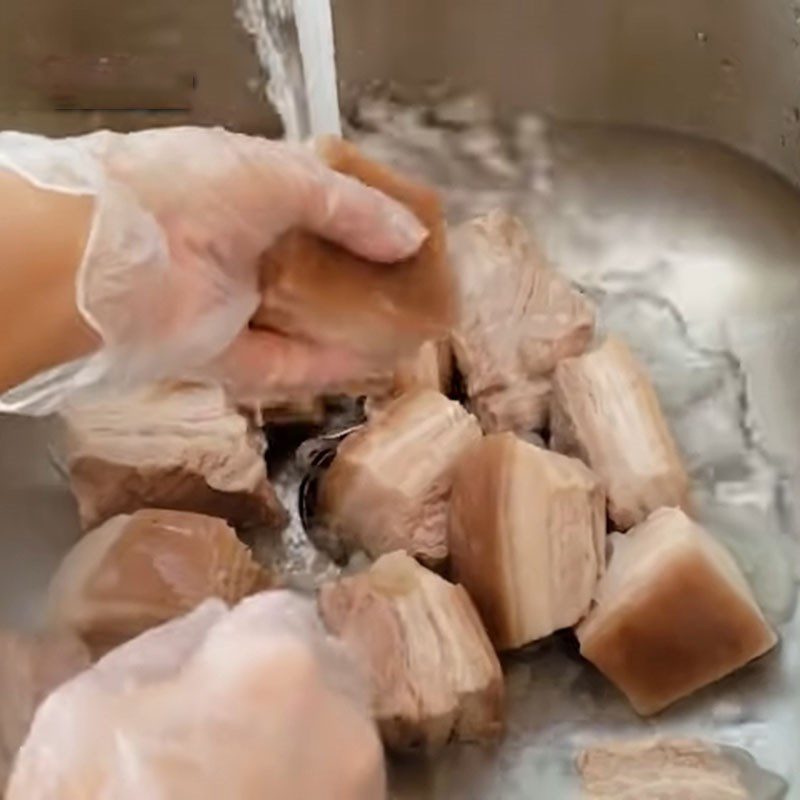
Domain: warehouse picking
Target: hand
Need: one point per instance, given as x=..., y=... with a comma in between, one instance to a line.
x=249, y=704
x=169, y=278
x=220, y=199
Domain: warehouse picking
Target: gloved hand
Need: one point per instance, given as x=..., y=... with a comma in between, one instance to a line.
x=169, y=277
x=249, y=704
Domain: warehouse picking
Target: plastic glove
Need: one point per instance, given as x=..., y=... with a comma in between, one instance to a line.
x=249, y=704
x=169, y=277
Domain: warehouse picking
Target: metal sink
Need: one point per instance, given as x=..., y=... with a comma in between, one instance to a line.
x=655, y=149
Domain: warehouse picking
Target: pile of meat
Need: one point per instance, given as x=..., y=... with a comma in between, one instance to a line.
x=549, y=495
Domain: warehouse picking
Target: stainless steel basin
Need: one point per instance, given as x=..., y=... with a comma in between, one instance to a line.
x=655, y=149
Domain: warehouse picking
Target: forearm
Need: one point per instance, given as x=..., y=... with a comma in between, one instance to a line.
x=43, y=236
x=169, y=278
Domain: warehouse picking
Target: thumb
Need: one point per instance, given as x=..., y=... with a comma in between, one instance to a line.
x=362, y=219
x=335, y=206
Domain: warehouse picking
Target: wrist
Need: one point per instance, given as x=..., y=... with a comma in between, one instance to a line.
x=43, y=235
x=82, y=267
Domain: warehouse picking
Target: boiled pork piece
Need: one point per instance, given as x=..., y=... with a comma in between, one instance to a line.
x=658, y=769
x=435, y=676
x=431, y=367
x=527, y=537
x=516, y=408
x=169, y=446
x=673, y=613
x=389, y=485
x=317, y=290
x=31, y=666
x=606, y=412
x=518, y=319
x=135, y=572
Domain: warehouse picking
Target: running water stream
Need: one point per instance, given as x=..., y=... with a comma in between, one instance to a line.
x=295, y=45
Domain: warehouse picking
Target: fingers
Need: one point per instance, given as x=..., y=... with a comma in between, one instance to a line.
x=362, y=219
x=262, y=364
x=335, y=206
x=235, y=182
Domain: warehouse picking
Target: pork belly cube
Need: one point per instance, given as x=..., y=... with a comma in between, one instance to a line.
x=518, y=319
x=317, y=290
x=31, y=666
x=606, y=412
x=137, y=571
x=431, y=367
x=658, y=769
x=523, y=408
x=389, y=485
x=673, y=613
x=169, y=446
x=527, y=537
x=435, y=676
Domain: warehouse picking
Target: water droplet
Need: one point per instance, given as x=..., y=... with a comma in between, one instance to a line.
x=727, y=65
x=783, y=140
x=701, y=37
x=796, y=113
x=796, y=14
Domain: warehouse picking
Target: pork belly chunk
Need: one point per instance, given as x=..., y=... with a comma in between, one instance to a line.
x=673, y=613
x=137, y=571
x=435, y=676
x=177, y=446
x=518, y=319
x=389, y=485
x=321, y=292
x=658, y=769
x=606, y=412
x=527, y=537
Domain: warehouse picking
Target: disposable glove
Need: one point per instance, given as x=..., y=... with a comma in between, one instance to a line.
x=249, y=704
x=169, y=278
